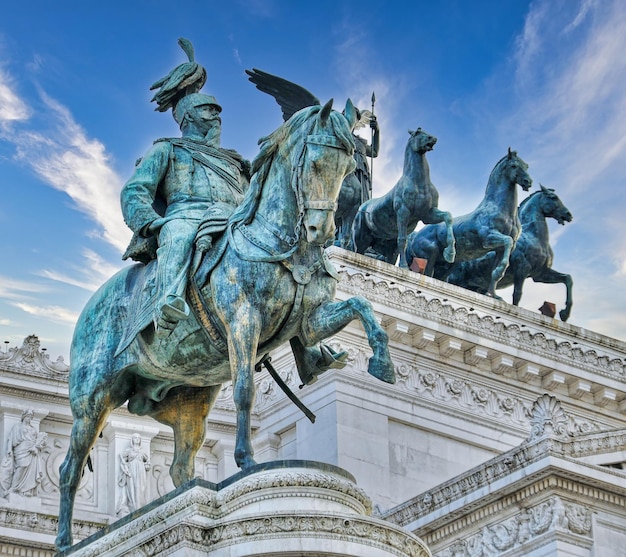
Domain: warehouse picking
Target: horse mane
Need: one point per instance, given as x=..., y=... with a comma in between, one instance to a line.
x=525, y=201
x=269, y=146
x=499, y=163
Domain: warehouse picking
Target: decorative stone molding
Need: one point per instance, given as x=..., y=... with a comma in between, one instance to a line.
x=552, y=435
x=308, y=505
x=529, y=523
x=548, y=419
x=31, y=360
x=393, y=287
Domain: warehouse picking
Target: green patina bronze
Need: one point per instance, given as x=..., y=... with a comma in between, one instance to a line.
x=531, y=257
x=383, y=224
x=164, y=334
x=493, y=225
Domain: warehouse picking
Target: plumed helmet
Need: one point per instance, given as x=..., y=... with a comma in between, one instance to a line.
x=191, y=101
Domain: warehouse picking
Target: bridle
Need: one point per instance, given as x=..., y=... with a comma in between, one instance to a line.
x=303, y=204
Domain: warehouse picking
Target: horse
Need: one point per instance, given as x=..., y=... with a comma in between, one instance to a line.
x=493, y=225
x=350, y=199
x=269, y=283
x=532, y=256
x=382, y=224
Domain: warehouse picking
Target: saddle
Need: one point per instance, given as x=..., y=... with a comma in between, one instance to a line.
x=209, y=246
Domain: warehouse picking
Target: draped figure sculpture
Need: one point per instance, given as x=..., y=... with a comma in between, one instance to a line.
x=133, y=479
x=22, y=467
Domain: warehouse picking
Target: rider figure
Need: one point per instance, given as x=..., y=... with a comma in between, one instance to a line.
x=170, y=191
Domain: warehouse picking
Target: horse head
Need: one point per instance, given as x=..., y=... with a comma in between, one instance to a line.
x=553, y=207
x=517, y=170
x=421, y=142
x=327, y=158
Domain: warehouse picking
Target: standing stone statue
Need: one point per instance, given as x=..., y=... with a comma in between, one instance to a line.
x=21, y=469
x=175, y=186
x=134, y=463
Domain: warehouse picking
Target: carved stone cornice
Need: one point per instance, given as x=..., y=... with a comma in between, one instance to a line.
x=29, y=359
x=298, y=504
x=255, y=489
x=509, y=464
x=554, y=515
x=450, y=326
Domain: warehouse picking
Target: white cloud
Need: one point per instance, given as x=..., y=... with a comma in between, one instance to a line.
x=12, y=107
x=95, y=271
x=12, y=289
x=71, y=162
x=52, y=313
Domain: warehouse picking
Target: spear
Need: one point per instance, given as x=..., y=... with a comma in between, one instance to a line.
x=372, y=148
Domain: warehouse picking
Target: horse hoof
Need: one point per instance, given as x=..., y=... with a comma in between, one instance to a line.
x=245, y=462
x=382, y=369
x=564, y=315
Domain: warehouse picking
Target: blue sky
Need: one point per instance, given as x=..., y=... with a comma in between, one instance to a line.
x=547, y=78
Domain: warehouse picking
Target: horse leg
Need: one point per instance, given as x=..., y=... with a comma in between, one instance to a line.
x=185, y=410
x=402, y=220
x=346, y=228
x=550, y=276
x=498, y=242
x=361, y=235
x=243, y=339
x=436, y=216
x=90, y=408
x=331, y=317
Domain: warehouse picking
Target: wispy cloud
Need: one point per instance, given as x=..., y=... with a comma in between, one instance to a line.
x=71, y=162
x=95, y=272
x=53, y=313
x=12, y=107
x=62, y=154
x=570, y=117
x=12, y=289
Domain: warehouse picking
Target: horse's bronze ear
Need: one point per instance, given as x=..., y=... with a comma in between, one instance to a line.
x=351, y=114
x=325, y=112
x=510, y=153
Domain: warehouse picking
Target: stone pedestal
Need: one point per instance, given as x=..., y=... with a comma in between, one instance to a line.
x=278, y=508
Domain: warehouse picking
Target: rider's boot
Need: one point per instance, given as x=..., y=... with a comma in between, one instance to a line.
x=174, y=309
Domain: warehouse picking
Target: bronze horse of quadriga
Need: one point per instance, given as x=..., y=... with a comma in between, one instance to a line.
x=383, y=224
x=271, y=284
x=532, y=256
x=493, y=226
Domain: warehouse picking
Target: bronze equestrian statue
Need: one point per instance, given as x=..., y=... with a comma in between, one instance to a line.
x=493, y=226
x=263, y=281
x=532, y=256
x=383, y=224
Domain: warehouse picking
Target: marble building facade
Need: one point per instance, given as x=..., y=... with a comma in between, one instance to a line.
x=504, y=435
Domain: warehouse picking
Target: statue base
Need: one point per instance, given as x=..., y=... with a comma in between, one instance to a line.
x=276, y=508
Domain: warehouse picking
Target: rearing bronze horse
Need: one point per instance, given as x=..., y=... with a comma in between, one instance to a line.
x=271, y=284
x=493, y=225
